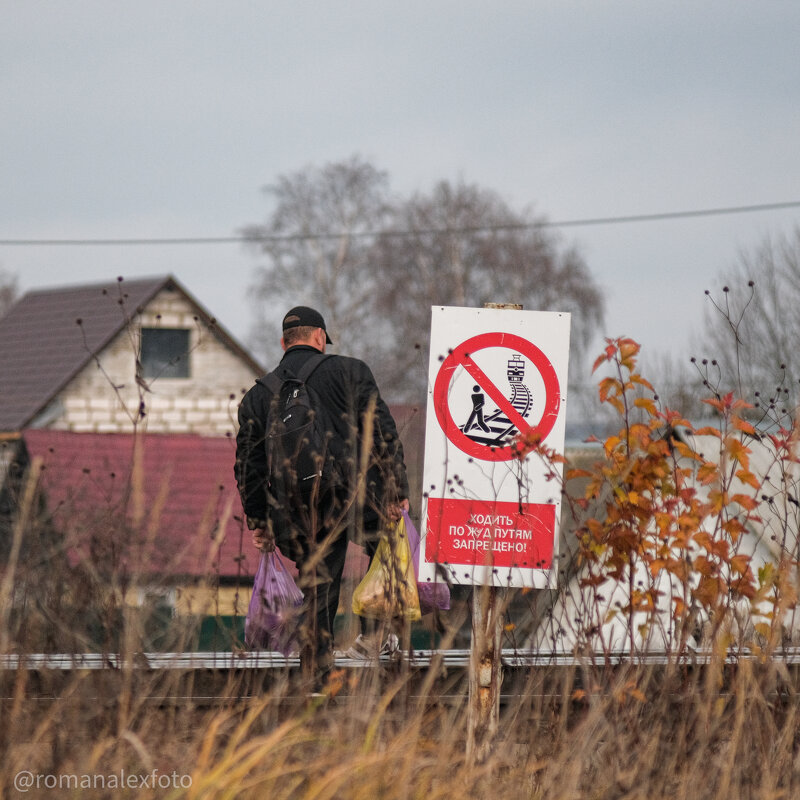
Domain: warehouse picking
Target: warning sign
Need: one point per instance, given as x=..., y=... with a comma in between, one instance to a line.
x=490, y=516
x=489, y=435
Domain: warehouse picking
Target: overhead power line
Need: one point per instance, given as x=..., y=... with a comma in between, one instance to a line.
x=570, y=223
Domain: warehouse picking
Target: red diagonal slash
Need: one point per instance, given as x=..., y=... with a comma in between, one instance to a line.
x=483, y=380
x=461, y=356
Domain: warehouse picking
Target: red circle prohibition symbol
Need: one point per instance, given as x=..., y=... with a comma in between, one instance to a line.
x=462, y=357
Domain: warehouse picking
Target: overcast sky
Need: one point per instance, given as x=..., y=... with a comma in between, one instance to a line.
x=154, y=119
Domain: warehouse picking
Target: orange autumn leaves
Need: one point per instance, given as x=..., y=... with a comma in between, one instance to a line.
x=654, y=501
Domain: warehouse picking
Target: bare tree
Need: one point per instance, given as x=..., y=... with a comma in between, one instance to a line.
x=464, y=246
x=318, y=241
x=375, y=265
x=752, y=327
x=8, y=291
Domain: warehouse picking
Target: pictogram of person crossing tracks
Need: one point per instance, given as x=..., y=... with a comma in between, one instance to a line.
x=489, y=431
x=496, y=429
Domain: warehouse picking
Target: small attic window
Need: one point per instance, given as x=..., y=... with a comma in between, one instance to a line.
x=165, y=353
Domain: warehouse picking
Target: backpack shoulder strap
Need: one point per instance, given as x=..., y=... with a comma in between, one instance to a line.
x=310, y=365
x=273, y=381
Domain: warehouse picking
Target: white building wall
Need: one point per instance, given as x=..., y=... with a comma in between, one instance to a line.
x=589, y=618
x=105, y=397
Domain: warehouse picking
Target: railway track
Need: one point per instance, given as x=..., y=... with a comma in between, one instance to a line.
x=264, y=660
x=213, y=679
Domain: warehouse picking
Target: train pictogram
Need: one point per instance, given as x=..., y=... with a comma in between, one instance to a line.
x=496, y=429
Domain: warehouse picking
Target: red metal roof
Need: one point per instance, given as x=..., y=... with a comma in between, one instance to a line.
x=160, y=518
x=187, y=485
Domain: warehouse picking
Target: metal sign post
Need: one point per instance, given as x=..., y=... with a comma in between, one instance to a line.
x=488, y=515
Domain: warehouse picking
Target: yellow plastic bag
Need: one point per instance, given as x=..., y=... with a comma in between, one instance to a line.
x=389, y=589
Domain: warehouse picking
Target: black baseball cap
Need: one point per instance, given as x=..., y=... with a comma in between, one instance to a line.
x=302, y=316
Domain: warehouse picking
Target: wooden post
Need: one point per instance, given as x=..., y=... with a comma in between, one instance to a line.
x=485, y=671
x=485, y=667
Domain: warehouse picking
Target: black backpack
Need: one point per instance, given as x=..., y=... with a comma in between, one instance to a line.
x=302, y=450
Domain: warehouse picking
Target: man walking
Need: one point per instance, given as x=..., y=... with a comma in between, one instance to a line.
x=371, y=485
x=476, y=417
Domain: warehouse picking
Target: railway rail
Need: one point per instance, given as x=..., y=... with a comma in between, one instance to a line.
x=264, y=660
x=212, y=679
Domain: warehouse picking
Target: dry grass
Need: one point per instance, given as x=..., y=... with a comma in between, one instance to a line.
x=719, y=730
x=722, y=730
x=595, y=731
x=716, y=730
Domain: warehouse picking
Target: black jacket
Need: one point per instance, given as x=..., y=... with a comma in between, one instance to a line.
x=346, y=387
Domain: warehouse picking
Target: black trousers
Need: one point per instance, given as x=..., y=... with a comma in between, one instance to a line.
x=317, y=541
x=320, y=561
x=321, y=583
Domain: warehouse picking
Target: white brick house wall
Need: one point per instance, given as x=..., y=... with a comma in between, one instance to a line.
x=105, y=397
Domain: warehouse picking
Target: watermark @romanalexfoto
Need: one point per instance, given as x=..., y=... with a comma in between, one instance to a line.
x=26, y=781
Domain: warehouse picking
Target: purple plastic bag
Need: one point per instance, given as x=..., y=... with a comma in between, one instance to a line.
x=273, y=614
x=432, y=594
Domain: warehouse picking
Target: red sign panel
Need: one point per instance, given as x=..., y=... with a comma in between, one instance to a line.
x=474, y=532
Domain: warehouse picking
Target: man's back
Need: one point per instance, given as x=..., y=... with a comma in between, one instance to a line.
x=354, y=414
x=347, y=391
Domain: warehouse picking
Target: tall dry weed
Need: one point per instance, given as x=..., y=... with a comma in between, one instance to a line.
x=716, y=715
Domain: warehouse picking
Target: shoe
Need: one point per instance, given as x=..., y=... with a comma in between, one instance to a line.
x=390, y=646
x=366, y=649
x=362, y=649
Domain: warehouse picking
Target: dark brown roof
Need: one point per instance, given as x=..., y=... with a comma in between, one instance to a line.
x=43, y=347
